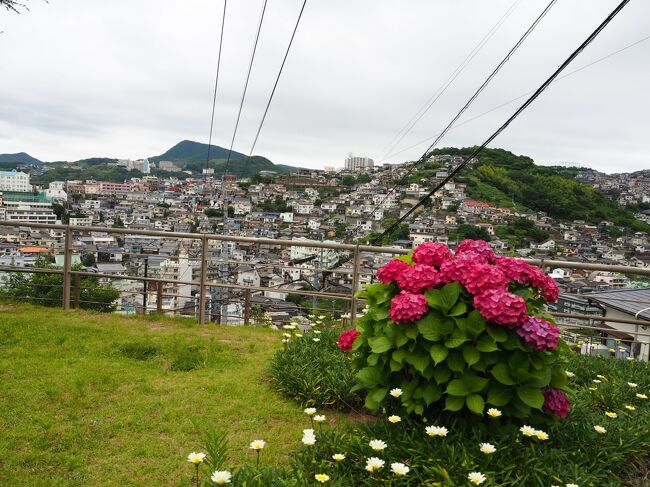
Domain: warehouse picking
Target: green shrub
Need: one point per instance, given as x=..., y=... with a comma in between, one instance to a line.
x=315, y=373
x=451, y=359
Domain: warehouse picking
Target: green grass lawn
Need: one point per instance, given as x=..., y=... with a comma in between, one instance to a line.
x=97, y=399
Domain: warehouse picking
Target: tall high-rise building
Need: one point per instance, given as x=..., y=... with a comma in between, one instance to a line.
x=355, y=163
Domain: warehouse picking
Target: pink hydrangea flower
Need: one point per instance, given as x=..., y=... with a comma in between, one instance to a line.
x=519, y=271
x=418, y=278
x=461, y=265
x=501, y=307
x=407, y=307
x=556, y=403
x=346, y=339
x=391, y=271
x=481, y=277
x=480, y=247
x=524, y=273
x=431, y=253
x=550, y=291
x=539, y=334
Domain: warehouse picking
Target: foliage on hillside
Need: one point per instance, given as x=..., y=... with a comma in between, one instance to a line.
x=20, y=157
x=64, y=171
x=503, y=178
x=239, y=167
x=188, y=150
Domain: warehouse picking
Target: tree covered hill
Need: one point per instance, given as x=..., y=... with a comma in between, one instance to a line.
x=191, y=156
x=190, y=151
x=19, y=158
x=504, y=178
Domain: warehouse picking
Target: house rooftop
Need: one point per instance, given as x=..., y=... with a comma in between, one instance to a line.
x=635, y=302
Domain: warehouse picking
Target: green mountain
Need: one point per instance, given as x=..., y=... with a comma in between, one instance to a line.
x=190, y=151
x=508, y=180
x=19, y=158
x=191, y=156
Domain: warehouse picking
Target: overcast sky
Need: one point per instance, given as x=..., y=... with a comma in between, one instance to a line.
x=131, y=78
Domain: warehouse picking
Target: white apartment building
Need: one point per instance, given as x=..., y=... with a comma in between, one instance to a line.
x=355, y=163
x=329, y=256
x=86, y=221
x=14, y=181
x=29, y=211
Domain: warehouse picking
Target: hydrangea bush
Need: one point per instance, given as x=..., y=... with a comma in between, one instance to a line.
x=462, y=331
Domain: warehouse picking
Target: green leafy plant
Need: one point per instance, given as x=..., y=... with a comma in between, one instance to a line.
x=448, y=356
x=315, y=373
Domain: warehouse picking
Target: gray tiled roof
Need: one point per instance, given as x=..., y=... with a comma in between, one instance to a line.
x=635, y=302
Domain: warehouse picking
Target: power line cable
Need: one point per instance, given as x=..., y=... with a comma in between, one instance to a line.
x=248, y=75
x=571, y=73
x=480, y=89
x=214, y=97
x=404, y=131
x=525, y=105
x=275, y=85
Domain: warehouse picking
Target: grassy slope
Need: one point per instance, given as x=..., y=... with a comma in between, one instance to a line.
x=75, y=411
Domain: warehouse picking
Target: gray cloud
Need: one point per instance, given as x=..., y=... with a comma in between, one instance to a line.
x=130, y=78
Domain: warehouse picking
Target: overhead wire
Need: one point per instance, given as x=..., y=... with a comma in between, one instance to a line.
x=512, y=100
x=471, y=99
x=248, y=75
x=214, y=96
x=525, y=105
x=277, y=80
x=447, y=83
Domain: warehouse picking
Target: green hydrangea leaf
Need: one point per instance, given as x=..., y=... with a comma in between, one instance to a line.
x=429, y=327
x=380, y=344
x=419, y=360
x=398, y=355
x=470, y=354
x=375, y=397
x=455, y=361
x=438, y=352
x=370, y=375
x=431, y=393
x=475, y=403
x=498, y=394
x=498, y=333
x=531, y=396
x=454, y=403
x=474, y=324
x=486, y=344
x=501, y=372
x=441, y=374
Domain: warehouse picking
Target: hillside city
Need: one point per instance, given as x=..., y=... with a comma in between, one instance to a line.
x=351, y=204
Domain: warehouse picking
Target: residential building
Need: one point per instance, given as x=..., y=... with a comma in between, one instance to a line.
x=355, y=163
x=14, y=181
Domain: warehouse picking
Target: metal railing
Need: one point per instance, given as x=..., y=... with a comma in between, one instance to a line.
x=200, y=290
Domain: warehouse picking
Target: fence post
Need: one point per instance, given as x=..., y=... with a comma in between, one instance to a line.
x=145, y=286
x=67, y=267
x=204, y=278
x=77, y=291
x=159, y=297
x=247, y=307
x=355, y=284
